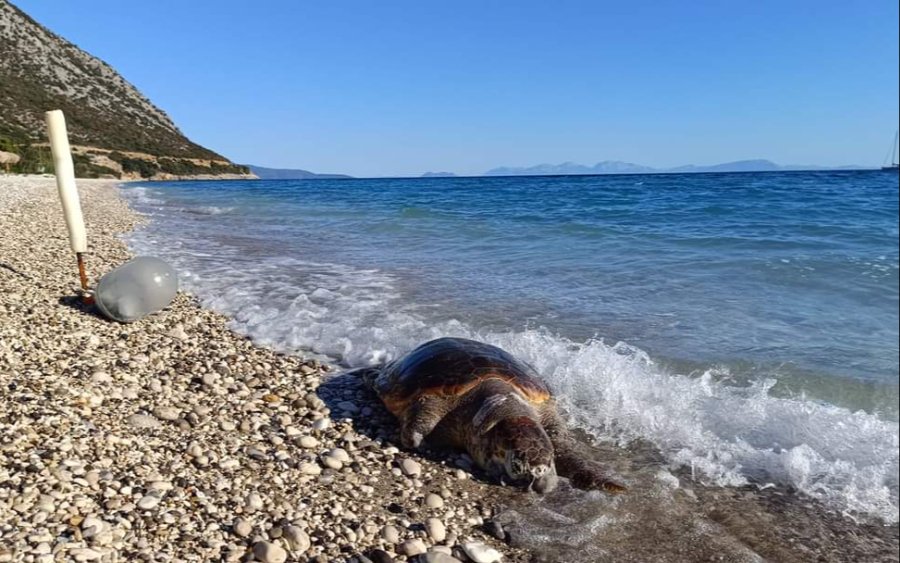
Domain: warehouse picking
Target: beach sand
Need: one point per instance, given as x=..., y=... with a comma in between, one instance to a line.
x=174, y=438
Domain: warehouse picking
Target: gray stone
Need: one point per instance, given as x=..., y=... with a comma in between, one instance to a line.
x=436, y=530
x=434, y=556
x=148, y=502
x=166, y=413
x=297, y=539
x=433, y=501
x=269, y=552
x=412, y=547
x=391, y=534
x=410, y=467
x=139, y=420
x=242, y=528
x=480, y=553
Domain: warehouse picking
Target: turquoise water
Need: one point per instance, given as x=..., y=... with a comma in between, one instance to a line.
x=741, y=322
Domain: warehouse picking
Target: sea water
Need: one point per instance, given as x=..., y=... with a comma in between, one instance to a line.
x=745, y=325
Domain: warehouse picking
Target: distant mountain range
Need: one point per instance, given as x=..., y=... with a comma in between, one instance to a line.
x=290, y=174
x=618, y=167
x=439, y=175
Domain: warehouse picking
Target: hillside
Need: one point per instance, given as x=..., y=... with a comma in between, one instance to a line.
x=40, y=70
x=291, y=174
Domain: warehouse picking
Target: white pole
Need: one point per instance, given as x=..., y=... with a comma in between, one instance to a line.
x=65, y=180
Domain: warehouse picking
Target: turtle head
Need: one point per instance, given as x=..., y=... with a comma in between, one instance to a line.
x=520, y=451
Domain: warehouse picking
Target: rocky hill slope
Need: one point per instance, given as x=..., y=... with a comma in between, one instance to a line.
x=106, y=115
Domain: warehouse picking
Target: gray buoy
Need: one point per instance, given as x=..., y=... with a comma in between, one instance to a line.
x=136, y=289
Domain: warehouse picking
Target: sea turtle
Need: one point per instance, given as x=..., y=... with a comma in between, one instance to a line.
x=473, y=396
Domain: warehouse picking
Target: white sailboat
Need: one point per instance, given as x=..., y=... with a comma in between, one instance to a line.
x=894, y=165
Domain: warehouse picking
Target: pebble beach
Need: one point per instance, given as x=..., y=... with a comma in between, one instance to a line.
x=176, y=439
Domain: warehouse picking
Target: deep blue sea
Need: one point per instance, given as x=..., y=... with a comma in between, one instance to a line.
x=745, y=324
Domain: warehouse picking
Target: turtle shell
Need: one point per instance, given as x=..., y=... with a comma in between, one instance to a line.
x=451, y=367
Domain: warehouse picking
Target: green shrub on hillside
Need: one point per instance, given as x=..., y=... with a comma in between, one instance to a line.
x=145, y=168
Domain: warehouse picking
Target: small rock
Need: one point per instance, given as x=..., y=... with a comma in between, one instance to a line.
x=433, y=501
x=480, y=553
x=308, y=468
x=242, y=528
x=410, y=467
x=101, y=377
x=148, y=502
x=92, y=526
x=253, y=502
x=413, y=547
x=391, y=534
x=139, y=420
x=340, y=454
x=321, y=424
x=331, y=462
x=434, y=556
x=269, y=552
x=308, y=442
x=85, y=554
x=297, y=539
x=166, y=413
x=436, y=530
x=178, y=332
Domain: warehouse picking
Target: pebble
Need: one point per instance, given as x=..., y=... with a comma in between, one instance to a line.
x=340, y=454
x=308, y=468
x=333, y=463
x=242, y=528
x=297, y=539
x=148, y=502
x=178, y=333
x=412, y=547
x=433, y=501
x=91, y=526
x=85, y=554
x=166, y=413
x=391, y=534
x=253, y=502
x=434, y=556
x=321, y=424
x=308, y=442
x=480, y=553
x=139, y=420
x=410, y=467
x=269, y=552
x=435, y=529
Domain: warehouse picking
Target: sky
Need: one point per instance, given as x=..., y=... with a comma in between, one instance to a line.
x=398, y=88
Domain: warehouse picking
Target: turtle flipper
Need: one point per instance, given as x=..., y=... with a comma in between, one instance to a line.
x=573, y=460
x=586, y=474
x=420, y=419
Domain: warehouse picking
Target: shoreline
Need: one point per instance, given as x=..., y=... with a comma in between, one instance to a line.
x=224, y=439
x=176, y=438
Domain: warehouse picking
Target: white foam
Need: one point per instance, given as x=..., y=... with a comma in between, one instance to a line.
x=726, y=434
x=141, y=195
x=209, y=210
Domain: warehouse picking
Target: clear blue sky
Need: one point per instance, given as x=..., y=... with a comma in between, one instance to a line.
x=375, y=88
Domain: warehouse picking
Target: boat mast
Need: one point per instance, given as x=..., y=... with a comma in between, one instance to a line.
x=894, y=149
